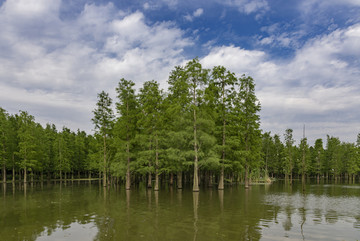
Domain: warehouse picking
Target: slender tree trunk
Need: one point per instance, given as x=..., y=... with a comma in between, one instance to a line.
x=4, y=173
x=149, y=184
x=171, y=179
x=128, y=176
x=25, y=179
x=179, y=180
x=104, y=170
x=196, y=179
x=13, y=174
x=221, y=181
x=31, y=176
x=156, y=166
x=221, y=178
x=246, y=176
x=210, y=182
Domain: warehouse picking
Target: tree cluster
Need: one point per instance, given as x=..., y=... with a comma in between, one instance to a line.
x=204, y=129
x=337, y=160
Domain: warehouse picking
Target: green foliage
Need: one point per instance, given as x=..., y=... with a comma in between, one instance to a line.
x=206, y=122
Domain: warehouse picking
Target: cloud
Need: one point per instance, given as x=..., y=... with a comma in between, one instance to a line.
x=248, y=6
x=59, y=64
x=197, y=13
x=318, y=87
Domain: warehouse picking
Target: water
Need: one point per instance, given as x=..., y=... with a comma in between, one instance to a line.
x=82, y=211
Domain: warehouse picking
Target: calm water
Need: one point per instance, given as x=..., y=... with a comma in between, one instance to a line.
x=83, y=211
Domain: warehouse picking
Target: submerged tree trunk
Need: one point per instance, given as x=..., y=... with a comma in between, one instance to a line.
x=25, y=179
x=149, y=184
x=171, y=182
x=128, y=176
x=13, y=174
x=221, y=181
x=246, y=176
x=156, y=166
x=179, y=180
x=104, y=169
x=4, y=173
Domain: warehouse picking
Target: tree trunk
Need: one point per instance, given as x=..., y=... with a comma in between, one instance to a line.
x=221, y=178
x=179, y=180
x=149, y=182
x=196, y=179
x=171, y=182
x=31, y=176
x=25, y=180
x=4, y=173
x=104, y=170
x=246, y=176
x=221, y=181
x=13, y=174
x=210, y=181
x=156, y=166
x=128, y=176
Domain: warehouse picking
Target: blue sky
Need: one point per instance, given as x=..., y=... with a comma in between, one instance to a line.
x=55, y=56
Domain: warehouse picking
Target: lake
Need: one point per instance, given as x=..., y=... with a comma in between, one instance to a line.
x=86, y=211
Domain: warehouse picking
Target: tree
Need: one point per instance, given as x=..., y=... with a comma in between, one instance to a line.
x=177, y=124
x=250, y=125
x=289, y=154
x=333, y=155
x=103, y=120
x=3, y=141
x=304, y=148
x=319, y=156
x=224, y=82
x=126, y=128
x=196, y=76
x=150, y=101
x=27, y=142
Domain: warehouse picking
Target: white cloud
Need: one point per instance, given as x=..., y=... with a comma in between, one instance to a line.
x=59, y=65
x=248, y=6
x=197, y=13
x=318, y=87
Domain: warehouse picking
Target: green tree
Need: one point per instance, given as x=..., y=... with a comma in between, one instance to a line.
x=177, y=123
x=27, y=142
x=150, y=124
x=103, y=120
x=304, y=165
x=224, y=82
x=318, y=158
x=289, y=154
x=334, y=156
x=3, y=141
x=196, y=76
x=127, y=108
x=250, y=125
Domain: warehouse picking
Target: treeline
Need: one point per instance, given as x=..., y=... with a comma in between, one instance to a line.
x=204, y=129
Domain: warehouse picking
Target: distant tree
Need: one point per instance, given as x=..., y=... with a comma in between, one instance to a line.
x=27, y=142
x=103, y=120
x=150, y=124
x=250, y=124
x=318, y=158
x=334, y=156
x=224, y=83
x=127, y=108
x=304, y=165
x=289, y=154
x=4, y=126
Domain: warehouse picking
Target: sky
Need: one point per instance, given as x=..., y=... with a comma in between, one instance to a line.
x=304, y=55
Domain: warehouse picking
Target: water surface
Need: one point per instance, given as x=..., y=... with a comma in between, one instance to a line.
x=82, y=211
